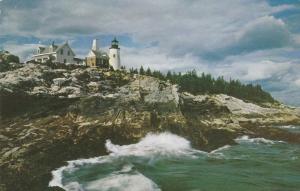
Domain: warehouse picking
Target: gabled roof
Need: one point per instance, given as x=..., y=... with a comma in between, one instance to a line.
x=48, y=49
x=54, y=48
x=63, y=45
x=98, y=54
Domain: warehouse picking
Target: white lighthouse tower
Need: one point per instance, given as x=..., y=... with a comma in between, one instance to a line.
x=114, y=55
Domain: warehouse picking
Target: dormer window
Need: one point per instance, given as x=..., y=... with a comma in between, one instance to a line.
x=69, y=53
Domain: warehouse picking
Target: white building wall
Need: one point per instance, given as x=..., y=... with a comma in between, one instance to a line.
x=44, y=57
x=114, y=58
x=64, y=57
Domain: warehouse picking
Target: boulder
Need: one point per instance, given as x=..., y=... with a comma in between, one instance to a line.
x=61, y=81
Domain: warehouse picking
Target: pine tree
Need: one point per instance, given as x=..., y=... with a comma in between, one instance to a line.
x=148, y=72
x=206, y=84
x=142, y=71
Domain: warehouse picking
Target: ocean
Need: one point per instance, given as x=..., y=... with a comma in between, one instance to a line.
x=167, y=162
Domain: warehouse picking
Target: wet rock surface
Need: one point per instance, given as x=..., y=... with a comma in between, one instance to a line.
x=49, y=116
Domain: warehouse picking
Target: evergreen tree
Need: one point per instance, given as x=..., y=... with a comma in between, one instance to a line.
x=206, y=84
x=142, y=71
x=131, y=70
x=148, y=72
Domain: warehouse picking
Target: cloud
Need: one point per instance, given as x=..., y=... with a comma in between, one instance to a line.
x=296, y=39
x=196, y=27
x=24, y=51
x=297, y=82
x=288, y=96
x=260, y=70
x=279, y=72
x=153, y=58
x=263, y=33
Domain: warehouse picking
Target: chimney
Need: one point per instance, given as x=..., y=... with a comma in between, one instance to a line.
x=95, y=45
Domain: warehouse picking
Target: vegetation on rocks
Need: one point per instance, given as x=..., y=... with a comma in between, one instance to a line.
x=8, y=61
x=206, y=84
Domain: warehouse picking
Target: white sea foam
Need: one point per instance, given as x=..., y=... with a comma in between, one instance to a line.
x=217, y=153
x=57, y=175
x=73, y=186
x=125, y=179
x=246, y=139
x=118, y=182
x=153, y=145
x=218, y=150
x=164, y=144
x=288, y=127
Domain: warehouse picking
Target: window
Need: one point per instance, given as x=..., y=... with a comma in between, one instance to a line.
x=69, y=53
x=114, y=55
x=62, y=51
x=65, y=60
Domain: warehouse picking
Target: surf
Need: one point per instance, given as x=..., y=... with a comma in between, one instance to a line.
x=166, y=161
x=151, y=147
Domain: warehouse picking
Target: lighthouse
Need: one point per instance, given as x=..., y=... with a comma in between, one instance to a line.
x=114, y=55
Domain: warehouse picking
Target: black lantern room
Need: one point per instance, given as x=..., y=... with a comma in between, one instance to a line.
x=115, y=44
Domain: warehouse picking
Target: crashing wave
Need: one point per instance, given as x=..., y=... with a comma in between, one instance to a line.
x=163, y=144
x=125, y=179
x=246, y=139
x=152, y=145
x=72, y=166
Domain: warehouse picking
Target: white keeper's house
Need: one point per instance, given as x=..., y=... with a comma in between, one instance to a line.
x=57, y=53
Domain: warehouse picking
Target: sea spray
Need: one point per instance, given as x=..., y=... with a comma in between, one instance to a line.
x=258, y=140
x=151, y=146
x=163, y=144
x=177, y=166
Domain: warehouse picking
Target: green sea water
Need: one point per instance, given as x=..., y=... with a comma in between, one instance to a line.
x=167, y=162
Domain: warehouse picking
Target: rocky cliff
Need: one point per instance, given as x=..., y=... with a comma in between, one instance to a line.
x=53, y=114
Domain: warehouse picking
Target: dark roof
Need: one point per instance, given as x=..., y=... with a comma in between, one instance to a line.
x=114, y=44
x=78, y=59
x=115, y=40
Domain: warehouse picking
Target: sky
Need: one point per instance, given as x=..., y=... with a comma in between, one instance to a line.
x=255, y=41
